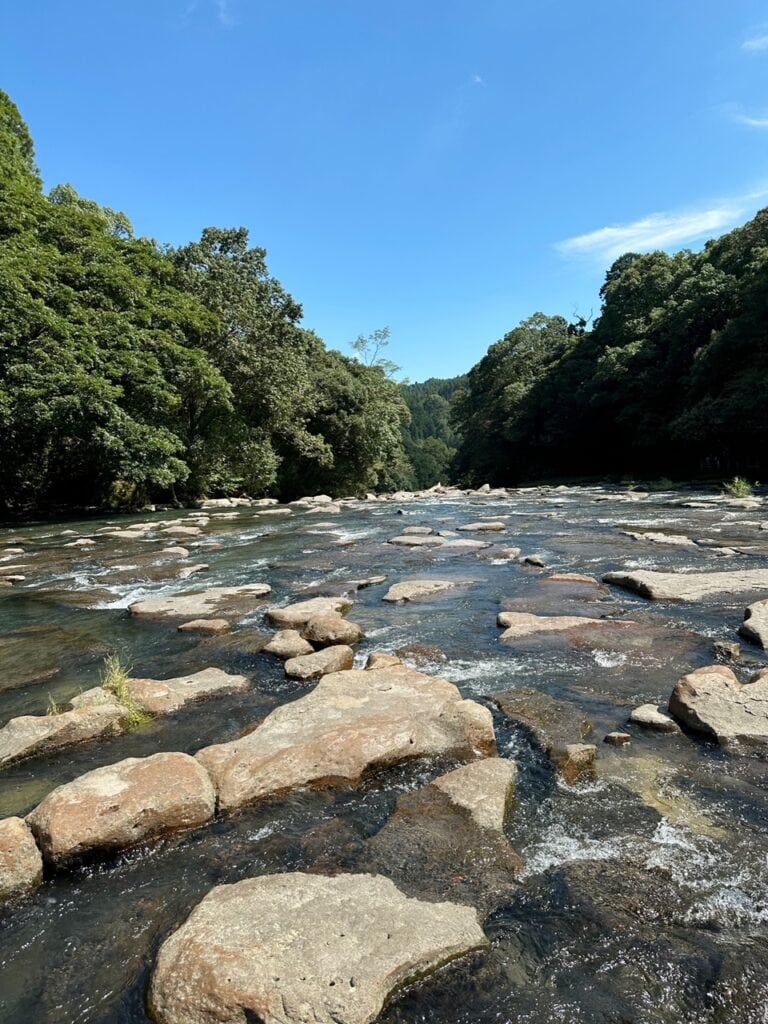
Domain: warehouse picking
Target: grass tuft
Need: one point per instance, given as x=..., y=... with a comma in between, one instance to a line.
x=114, y=679
x=53, y=708
x=739, y=487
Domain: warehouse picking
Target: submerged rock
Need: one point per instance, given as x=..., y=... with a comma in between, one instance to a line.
x=661, y=538
x=558, y=729
x=712, y=701
x=521, y=624
x=205, y=626
x=288, y=643
x=293, y=948
x=649, y=716
x=416, y=531
x=320, y=663
x=163, y=696
x=219, y=602
x=21, y=864
x=418, y=541
x=409, y=590
x=688, y=586
x=617, y=739
x=351, y=721
x=297, y=615
x=327, y=630
x=755, y=624
x=121, y=805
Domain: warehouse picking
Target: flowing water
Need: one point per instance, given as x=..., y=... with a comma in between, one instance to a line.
x=644, y=896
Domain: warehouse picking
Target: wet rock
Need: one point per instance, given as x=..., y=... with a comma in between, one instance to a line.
x=327, y=630
x=192, y=570
x=205, y=626
x=617, y=739
x=182, y=531
x=221, y=602
x=466, y=544
x=573, y=577
x=727, y=650
x=483, y=527
x=690, y=586
x=712, y=701
x=353, y=940
x=378, y=659
x=351, y=721
x=485, y=789
x=82, y=542
x=307, y=667
x=410, y=590
x=288, y=643
x=508, y=553
x=296, y=616
x=556, y=727
x=755, y=624
x=535, y=560
x=416, y=531
x=164, y=696
x=661, y=538
x=21, y=865
x=577, y=763
x=521, y=624
x=422, y=654
x=410, y=541
x=649, y=716
x=95, y=714
x=121, y=805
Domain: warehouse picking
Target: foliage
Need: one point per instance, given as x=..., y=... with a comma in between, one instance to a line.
x=430, y=437
x=53, y=708
x=115, y=679
x=739, y=488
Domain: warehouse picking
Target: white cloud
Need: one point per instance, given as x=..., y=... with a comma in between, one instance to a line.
x=478, y=80
x=752, y=122
x=224, y=13
x=661, y=230
x=757, y=44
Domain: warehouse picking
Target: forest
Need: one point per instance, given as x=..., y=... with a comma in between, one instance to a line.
x=132, y=371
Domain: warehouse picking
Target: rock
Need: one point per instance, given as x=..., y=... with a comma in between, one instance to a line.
x=727, y=650
x=483, y=527
x=416, y=531
x=521, y=624
x=650, y=717
x=378, y=659
x=556, y=727
x=508, y=553
x=307, y=667
x=182, y=531
x=572, y=577
x=409, y=541
x=661, y=538
x=466, y=544
x=83, y=542
x=221, y=602
x=21, y=865
x=422, y=654
x=409, y=590
x=121, y=805
x=327, y=630
x=485, y=489
x=535, y=560
x=20, y=551
x=617, y=739
x=578, y=763
x=351, y=721
x=177, y=551
x=205, y=626
x=192, y=570
x=164, y=696
x=288, y=643
x=689, y=586
x=299, y=614
x=484, y=788
x=95, y=714
x=353, y=940
x=712, y=701
x=755, y=624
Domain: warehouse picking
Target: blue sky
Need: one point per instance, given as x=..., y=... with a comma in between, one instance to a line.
x=443, y=167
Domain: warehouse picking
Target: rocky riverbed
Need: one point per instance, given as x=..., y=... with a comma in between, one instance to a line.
x=456, y=756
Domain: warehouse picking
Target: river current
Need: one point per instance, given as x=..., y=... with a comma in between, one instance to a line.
x=644, y=896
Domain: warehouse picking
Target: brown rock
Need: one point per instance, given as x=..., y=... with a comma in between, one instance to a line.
x=578, y=763
x=689, y=586
x=297, y=615
x=205, y=626
x=379, y=659
x=411, y=590
x=650, y=717
x=288, y=643
x=320, y=663
x=558, y=728
x=163, y=696
x=121, y=805
x=21, y=865
x=617, y=739
x=483, y=527
x=521, y=624
x=755, y=624
x=221, y=602
x=327, y=630
x=712, y=701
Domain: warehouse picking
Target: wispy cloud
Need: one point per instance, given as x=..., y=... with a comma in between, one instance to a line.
x=224, y=13
x=661, y=230
x=752, y=122
x=478, y=80
x=756, y=44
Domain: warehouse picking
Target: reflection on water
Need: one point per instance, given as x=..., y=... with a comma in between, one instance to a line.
x=645, y=895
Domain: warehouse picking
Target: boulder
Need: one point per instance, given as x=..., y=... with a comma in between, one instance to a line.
x=483, y=527
x=485, y=789
x=379, y=659
x=535, y=560
x=21, y=865
x=164, y=696
x=713, y=702
x=422, y=654
x=293, y=948
x=556, y=727
x=297, y=615
x=521, y=624
x=409, y=590
x=727, y=650
x=288, y=643
x=572, y=577
x=350, y=722
x=416, y=531
x=220, y=602
x=182, y=531
x=214, y=626
x=689, y=586
x=649, y=716
x=617, y=739
x=95, y=714
x=83, y=542
x=755, y=624
x=327, y=630
x=577, y=763
x=121, y=805
x=308, y=667
x=411, y=541
x=508, y=553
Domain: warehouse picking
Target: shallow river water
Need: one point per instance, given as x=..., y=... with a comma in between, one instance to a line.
x=644, y=896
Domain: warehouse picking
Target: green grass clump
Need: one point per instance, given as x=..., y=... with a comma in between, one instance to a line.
x=53, y=708
x=739, y=487
x=114, y=679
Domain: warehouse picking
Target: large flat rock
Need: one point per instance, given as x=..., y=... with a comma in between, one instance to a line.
x=483, y=788
x=321, y=663
x=521, y=624
x=417, y=541
x=121, y=805
x=216, y=602
x=163, y=696
x=712, y=701
x=350, y=722
x=411, y=590
x=689, y=586
x=298, y=948
x=755, y=624
x=297, y=615
x=21, y=865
